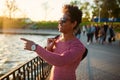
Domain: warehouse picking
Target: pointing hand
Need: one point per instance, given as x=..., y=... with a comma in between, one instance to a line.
x=28, y=43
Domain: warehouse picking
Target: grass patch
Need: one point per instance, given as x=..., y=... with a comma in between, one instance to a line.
x=45, y=25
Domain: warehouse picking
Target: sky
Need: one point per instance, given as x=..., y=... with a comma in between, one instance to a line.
x=38, y=9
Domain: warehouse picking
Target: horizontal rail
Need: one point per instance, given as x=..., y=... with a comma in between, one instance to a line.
x=35, y=69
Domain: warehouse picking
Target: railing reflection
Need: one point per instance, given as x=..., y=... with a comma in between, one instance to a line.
x=35, y=69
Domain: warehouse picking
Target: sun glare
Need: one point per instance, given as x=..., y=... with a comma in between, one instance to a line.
x=36, y=9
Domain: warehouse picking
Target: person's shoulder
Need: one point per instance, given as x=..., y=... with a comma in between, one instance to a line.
x=76, y=42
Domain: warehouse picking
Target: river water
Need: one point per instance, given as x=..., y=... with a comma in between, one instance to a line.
x=12, y=53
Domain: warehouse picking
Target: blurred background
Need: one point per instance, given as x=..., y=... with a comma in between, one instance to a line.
x=35, y=14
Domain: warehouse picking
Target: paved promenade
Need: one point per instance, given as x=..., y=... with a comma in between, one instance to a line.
x=101, y=63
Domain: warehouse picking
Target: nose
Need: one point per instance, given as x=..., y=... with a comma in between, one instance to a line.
x=59, y=21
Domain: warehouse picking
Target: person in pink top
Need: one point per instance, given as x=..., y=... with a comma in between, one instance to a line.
x=64, y=52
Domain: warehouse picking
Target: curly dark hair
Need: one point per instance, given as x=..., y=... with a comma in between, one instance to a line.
x=74, y=13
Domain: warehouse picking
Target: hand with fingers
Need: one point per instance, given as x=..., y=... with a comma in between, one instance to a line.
x=29, y=45
x=50, y=44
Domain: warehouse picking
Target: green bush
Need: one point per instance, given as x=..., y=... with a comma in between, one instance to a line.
x=46, y=25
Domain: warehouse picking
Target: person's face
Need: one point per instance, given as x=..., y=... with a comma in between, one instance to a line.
x=65, y=24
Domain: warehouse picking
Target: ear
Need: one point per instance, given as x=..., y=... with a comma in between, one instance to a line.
x=74, y=24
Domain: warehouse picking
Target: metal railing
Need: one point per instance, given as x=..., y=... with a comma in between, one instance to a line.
x=35, y=69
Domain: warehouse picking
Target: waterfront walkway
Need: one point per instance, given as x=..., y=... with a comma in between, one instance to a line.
x=101, y=63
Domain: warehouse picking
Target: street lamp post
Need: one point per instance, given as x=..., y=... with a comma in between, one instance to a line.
x=99, y=4
x=109, y=12
x=99, y=14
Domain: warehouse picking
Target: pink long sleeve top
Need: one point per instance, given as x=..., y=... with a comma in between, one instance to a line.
x=65, y=58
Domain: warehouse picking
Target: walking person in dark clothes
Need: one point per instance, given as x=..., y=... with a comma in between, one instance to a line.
x=77, y=32
x=111, y=34
x=97, y=28
x=88, y=32
x=105, y=30
x=92, y=32
x=101, y=35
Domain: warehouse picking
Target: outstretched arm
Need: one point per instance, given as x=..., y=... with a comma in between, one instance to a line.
x=68, y=56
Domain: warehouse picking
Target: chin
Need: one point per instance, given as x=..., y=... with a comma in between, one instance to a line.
x=60, y=30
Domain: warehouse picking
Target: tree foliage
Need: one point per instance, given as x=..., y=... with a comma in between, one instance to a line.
x=109, y=8
x=84, y=7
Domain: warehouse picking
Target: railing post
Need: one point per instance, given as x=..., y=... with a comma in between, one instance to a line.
x=43, y=76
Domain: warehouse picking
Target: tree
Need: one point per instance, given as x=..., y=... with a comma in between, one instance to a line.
x=77, y=3
x=47, y=9
x=85, y=7
x=109, y=8
x=9, y=20
x=11, y=7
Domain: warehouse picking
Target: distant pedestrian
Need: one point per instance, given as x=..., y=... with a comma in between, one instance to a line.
x=92, y=32
x=77, y=32
x=111, y=37
x=97, y=28
x=84, y=29
x=88, y=32
x=101, y=35
x=105, y=30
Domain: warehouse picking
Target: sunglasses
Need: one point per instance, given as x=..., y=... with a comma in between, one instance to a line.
x=63, y=20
